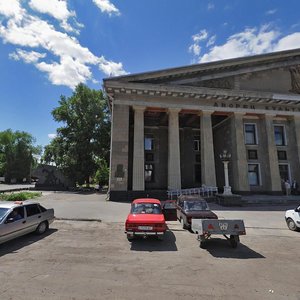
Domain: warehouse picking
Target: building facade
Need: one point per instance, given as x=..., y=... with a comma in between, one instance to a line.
x=170, y=126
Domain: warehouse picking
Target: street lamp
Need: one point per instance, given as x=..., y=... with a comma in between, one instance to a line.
x=225, y=157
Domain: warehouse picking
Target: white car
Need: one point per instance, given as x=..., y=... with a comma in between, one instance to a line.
x=292, y=218
x=22, y=217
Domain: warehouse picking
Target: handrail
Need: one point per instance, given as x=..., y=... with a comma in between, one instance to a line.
x=204, y=191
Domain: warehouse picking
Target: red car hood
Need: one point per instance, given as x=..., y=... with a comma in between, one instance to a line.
x=145, y=218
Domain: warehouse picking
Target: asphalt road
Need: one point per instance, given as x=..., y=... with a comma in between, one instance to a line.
x=94, y=260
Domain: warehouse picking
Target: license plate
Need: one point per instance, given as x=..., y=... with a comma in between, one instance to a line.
x=145, y=227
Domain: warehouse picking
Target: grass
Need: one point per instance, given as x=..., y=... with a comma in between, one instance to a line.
x=20, y=196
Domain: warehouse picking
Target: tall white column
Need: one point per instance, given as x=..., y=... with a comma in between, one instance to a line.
x=239, y=162
x=272, y=154
x=138, y=175
x=174, y=174
x=208, y=171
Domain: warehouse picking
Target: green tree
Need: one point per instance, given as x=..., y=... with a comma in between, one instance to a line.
x=17, y=154
x=85, y=136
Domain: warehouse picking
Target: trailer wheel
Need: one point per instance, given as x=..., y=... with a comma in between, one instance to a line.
x=234, y=239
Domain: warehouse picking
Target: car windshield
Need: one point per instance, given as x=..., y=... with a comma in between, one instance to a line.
x=3, y=212
x=195, y=205
x=146, y=208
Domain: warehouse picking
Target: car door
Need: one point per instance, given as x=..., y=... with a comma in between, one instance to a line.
x=12, y=228
x=34, y=216
x=169, y=210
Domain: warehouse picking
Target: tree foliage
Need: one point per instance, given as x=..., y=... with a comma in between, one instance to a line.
x=17, y=154
x=85, y=136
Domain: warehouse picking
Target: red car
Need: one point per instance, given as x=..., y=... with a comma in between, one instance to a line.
x=147, y=218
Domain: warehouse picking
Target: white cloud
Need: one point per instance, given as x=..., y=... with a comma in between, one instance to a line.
x=211, y=41
x=27, y=56
x=195, y=49
x=291, y=41
x=107, y=7
x=202, y=35
x=11, y=8
x=210, y=6
x=111, y=68
x=271, y=12
x=52, y=135
x=71, y=62
x=57, y=9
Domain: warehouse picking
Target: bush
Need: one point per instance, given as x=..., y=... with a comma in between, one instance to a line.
x=20, y=196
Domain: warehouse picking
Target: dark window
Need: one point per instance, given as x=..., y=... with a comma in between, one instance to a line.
x=253, y=174
x=250, y=134
x=149, y=143
x=284, y=171
x=149, y=157
x=149, y=172
x=279, y=135
x=281, y=155
x=252, y=154
x=42, y=209
x=32, y=210
x=197, y=173
x=197, y=143
x=198, y=158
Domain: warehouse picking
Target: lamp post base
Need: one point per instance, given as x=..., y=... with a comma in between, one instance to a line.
x=227, y=190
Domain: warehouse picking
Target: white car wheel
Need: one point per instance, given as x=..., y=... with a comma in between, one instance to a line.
x=291, y=224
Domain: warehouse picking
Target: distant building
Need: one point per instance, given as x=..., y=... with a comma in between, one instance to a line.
x=169, y=126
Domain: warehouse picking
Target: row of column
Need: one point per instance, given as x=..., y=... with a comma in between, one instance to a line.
x=174, y=172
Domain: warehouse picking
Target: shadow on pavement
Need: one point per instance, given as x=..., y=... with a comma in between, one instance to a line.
x=221, y=248
x=23, y=241
x=151, y=244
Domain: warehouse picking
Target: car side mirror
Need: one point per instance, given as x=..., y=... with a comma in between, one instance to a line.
x=10, y=220
x=297, y=209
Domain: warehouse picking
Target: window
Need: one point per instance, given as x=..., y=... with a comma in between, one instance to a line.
x=252, y=154
x=149, y=172
x=32, y=210
x=197, y=173
x=281, y=155
x=253, y=174
x=149, y=143
x=250, y=134
x=197, y=143
x=198, y=158
x=279, y=135
x=284, y=172
x=149, y=157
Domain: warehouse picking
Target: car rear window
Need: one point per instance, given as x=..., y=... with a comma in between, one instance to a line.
x=195, y=205
x=32, y=209
x=146, y=208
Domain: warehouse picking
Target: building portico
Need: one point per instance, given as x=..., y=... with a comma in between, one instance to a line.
x=169, y=127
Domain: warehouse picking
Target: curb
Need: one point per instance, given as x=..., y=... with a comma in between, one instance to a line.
x=79, y=219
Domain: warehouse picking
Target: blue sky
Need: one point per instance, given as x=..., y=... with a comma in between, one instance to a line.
x=49, y=46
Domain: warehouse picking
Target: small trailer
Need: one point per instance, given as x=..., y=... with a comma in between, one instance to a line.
x=230, y=229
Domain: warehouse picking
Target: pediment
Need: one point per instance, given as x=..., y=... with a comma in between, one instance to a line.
x=277, y=72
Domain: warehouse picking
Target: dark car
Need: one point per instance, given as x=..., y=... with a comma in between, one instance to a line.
x=192, y=207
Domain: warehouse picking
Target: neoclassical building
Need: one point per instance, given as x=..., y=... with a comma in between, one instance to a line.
x=170, y=126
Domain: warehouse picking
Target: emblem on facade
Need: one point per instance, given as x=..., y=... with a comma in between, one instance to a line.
x=295, y=79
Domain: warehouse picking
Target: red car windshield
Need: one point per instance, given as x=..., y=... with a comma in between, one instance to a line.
x=146, y=208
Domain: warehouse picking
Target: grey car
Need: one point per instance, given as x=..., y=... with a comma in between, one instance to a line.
x=22, y=217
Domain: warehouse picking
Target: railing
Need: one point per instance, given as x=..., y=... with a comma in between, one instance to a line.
x=204, y=191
